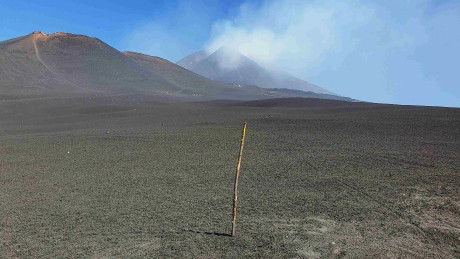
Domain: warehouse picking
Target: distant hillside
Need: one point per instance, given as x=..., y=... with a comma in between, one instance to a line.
x=64, y=64
x=189, y=82
x=229, y=66
x=192, y=60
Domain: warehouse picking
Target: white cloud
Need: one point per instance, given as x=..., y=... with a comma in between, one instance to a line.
x=290, y=29
x=377, y=51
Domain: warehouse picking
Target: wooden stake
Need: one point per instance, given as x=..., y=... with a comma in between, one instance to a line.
x=237, y=174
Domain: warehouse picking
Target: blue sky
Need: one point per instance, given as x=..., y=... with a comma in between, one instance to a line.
x=188, y=22
x=394, y=51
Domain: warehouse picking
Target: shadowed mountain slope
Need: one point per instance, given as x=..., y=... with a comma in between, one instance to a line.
x=229, y=66
x=176, y=75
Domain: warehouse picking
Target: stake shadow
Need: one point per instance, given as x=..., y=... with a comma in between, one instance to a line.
x=208, y=233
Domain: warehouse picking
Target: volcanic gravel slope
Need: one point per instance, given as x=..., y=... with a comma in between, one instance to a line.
x=132, y=176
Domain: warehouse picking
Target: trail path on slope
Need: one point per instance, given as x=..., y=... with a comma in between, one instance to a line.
x=37, y=54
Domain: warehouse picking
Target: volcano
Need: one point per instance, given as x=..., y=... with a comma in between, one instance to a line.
x=64, y=64
x=230, y=66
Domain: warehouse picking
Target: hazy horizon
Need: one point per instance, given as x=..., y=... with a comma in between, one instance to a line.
x=401, y=52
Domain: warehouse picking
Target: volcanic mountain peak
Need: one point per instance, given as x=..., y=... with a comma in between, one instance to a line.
x=56, y=34
x=228, y=65
x=38, y=33
x=63, y=38
x=226, y=49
